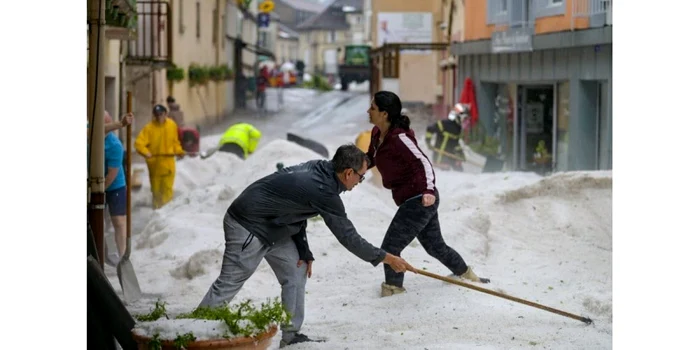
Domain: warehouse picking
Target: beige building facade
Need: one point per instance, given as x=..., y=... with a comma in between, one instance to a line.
x=287, y=44
x=397, y=21
x=183, y=33
x=200, y=39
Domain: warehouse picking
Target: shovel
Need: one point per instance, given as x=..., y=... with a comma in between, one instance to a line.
x=210, y=152
x=125, y=271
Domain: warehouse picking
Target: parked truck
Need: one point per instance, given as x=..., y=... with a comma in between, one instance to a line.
x=355, y=67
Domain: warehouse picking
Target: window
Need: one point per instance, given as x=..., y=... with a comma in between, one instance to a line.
x=497, y=11
x=503, y=6
x=197, y=29
x=331, y=36
x=301, y=16
x=181, y=16
x=549, y=8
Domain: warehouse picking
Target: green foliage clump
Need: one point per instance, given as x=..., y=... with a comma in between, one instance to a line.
x=198, y=75
x=155, y=343
x=220, y=73
x=318, y=82
x=175, y=74
x=156, y=313
x=242, y=320
x=183, y=340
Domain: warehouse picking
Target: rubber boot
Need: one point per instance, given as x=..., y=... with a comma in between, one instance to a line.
x=389, y=290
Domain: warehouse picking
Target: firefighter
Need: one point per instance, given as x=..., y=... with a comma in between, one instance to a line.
x=240, y=139
x=158, y=142
x=447, y=151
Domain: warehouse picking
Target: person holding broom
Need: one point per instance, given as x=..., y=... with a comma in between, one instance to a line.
x=409, y=174
x=268, y=221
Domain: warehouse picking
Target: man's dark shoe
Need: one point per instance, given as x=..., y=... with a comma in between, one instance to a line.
x=299, y=338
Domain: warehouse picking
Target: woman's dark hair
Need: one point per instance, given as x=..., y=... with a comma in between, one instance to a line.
x=388, y=102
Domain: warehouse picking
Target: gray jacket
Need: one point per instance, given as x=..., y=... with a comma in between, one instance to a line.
x=278, y=205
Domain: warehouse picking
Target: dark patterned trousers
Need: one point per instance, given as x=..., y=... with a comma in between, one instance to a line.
x=413, y=220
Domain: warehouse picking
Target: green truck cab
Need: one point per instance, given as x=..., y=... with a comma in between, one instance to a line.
x=356, y=65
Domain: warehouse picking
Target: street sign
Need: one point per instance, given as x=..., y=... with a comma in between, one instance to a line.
x=263, y=20
x=266, y=6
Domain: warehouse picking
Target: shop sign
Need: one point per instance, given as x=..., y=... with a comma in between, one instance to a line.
x=512, y=40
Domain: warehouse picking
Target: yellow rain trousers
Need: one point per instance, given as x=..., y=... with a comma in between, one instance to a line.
x=160, y=140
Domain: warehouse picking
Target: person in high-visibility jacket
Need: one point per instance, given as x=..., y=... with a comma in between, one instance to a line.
x=447, y=151
x=240, y=139
x=158, y=142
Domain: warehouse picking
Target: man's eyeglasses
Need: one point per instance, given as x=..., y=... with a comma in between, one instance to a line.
x=362, y=177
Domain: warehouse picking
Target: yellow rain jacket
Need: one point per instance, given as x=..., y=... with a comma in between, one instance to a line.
x=362, y=142
x=160, y=140
x=244, y=135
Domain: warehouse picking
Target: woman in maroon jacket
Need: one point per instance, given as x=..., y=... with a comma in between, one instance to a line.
x=408, y=173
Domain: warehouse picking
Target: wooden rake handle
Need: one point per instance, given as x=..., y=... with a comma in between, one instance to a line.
x=504, y=296
x=128, y=168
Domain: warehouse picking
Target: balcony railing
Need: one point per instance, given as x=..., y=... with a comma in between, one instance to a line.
x=598, y=12
x=153, y=44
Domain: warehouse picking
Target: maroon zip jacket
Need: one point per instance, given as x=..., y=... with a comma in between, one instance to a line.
x=405, y=170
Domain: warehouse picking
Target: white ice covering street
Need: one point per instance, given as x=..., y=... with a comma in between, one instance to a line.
x=548, y=240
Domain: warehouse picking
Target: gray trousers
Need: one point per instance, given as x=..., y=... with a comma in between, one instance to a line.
x=239, y=264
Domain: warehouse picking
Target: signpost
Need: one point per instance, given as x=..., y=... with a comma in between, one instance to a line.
x=263, y=20
x=266, y=6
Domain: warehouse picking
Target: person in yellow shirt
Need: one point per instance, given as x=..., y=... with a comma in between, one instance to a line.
x=158, y=142
x=240, y=139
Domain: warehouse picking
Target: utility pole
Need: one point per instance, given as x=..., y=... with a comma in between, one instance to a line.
x=95, y=113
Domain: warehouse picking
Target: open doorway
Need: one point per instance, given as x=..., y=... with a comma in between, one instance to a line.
x=534, y=136
x=111, y=97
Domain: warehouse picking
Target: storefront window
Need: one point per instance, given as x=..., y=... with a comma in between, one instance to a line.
x=493, y=134
x=562, y=126
x=485, y=137
x=504, y=104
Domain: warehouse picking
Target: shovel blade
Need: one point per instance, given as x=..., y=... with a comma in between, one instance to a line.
x=128, y=281
x=210, y=152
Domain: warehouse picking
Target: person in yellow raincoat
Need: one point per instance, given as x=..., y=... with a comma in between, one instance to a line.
x=362, y=142
x=240, y=139
x=158, y=142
